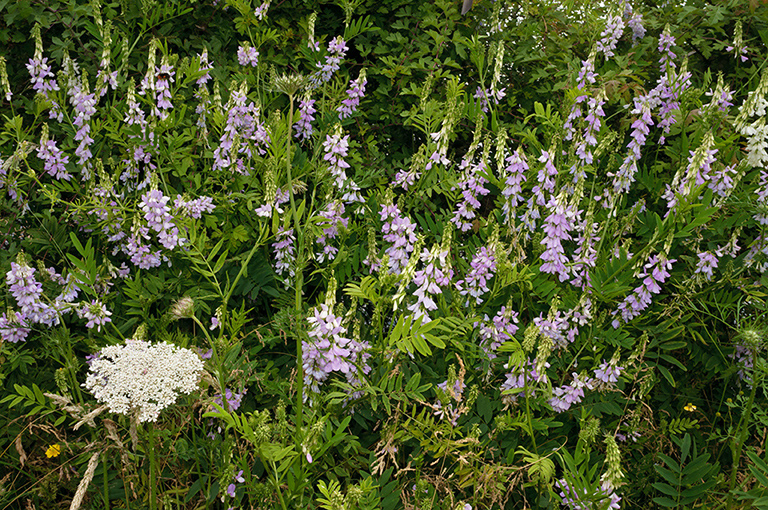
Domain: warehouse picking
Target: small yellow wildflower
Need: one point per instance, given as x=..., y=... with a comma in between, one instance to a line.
x=690, y=408
x=53, y=451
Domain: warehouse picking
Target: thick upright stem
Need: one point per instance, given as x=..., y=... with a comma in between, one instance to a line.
x=299, y=284
x=152, y=468
x=738, y=441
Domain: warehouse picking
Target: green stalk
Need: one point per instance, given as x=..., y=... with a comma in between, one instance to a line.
x=277, y=487
x=299, y=277
x=738, y=444
x=106, y=480
x=299, y=284
x=152, y=468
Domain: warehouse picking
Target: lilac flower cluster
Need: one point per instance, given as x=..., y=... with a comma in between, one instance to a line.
x=336, y=147
x=738, y=47
x=13, y=327
x=546, y=179
x=610, y=36
x=332, y=219
x=555, y=327
x=400, y=232
x=472, y=186
x=496, y=331
x=280, y=198
x=194, y=208
x=635, y=22
x=247, y=55
x=28, y=293
x=43, y=79
x=238, y=478
x=557, y=227
x=586, y=75
x=585, y=256
x=85, y=107
x=261, y=11
x=656, y=271
x=140, y=253
x=671, y=83
x=697, y=173
x=158, y=217
x=355, y=92
x=327, y=351
x=563, y=397
x=666, y=41
x=54, y=159
x=429, y=279
x=205, y=65
x=481, y=270
x=706, y=264
x=485, y=96
x=165, y=76
x=337, y=48
x=95, y=313
x=454, y=394
x=721, y=97
x=513, y=183
x=303, y=126
x=721, y=181
x=608, y=373
x=405, y=178
x=234, y=399
x=243, y=126
x=744, y=357
x=522, y=382
x=284, y=253
x=640, y=130
x=594, y=117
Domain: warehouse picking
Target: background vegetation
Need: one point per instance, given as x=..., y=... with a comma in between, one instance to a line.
x=522, y=266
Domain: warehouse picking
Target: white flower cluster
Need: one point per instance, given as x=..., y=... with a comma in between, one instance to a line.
x=142, y=377
x=756, y=132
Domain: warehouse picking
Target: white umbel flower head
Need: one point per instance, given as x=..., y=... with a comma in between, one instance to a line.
x=143, y=378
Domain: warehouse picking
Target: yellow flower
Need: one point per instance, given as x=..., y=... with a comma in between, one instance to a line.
x=690, y=408
x=53, y=451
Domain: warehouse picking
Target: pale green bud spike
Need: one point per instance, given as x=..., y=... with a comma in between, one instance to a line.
x=499, y=60
x=589, y=429
x=486, y=151
x=60, y=376
x=217, y=96
x=4, y=80
x=330, y=293
x=141, y=332
x=543, y=352
x=38, y=42
x=613, y=458
x=311, y=26
x=501, y=149
x=44, y=135
x=426, y=89
x=151, y=63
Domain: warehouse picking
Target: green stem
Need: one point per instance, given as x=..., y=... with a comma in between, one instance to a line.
x=105, y=480
x=152, y=468
x=277, y=487
x=738, y=444
x=299, y=283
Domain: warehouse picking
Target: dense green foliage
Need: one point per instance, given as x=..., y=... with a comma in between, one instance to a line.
x=527, y=270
